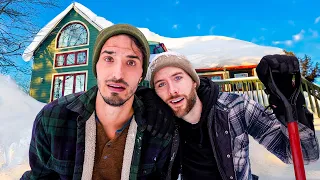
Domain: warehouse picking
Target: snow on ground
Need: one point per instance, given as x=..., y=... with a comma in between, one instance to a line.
x=18, y=111
x=267, y=166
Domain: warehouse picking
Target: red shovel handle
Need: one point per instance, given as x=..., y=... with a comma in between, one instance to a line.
x=291, y=119
x=296, y=151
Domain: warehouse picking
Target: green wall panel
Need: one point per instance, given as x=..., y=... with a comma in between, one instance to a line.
x=44, y=59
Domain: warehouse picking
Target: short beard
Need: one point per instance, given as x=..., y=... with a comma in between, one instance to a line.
x=115, y=100
x=191, y=101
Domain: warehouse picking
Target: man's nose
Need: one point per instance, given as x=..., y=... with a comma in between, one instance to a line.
x=118, y=70
x=173, y=90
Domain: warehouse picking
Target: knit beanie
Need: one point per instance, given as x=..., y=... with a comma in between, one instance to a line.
x=171, y=59
x=118, y=29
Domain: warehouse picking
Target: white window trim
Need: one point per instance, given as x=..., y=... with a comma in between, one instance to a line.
x=76, y=65
x=71, y=22
x=64, y=73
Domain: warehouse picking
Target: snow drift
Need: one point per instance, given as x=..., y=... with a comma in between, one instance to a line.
x=18, y=111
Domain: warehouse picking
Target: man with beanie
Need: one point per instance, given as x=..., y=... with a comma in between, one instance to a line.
x=102, y=133
x=214, y=126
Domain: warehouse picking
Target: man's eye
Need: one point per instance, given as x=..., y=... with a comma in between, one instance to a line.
x=177, y=78
x=161, y=84
x=108, y=59
x=131, y=63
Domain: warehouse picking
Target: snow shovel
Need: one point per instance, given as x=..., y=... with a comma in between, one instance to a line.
x=291, y=117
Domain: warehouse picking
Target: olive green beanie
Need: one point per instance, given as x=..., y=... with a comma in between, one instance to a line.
x=118, y=29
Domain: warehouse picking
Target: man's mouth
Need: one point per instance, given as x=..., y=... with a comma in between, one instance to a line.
x=177, y=100
x=116, y=87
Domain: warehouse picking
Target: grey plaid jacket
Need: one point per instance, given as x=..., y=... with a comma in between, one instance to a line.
x=230, y=122
x=246, y=117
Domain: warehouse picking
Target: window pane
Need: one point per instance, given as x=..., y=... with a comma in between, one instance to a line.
x=216, y=77
x=152, y=49
x=160, y=49
x=81, y=58
x=68, y=86
x=57, y=89
x=70, y=59
x=80, y=80
x=73, y=35
x=60, y=60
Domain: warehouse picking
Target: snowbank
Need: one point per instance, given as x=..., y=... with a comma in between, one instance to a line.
x=18, y=111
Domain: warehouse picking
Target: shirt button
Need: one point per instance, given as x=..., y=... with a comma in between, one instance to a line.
x=226, y=132
x=225, y=109
x=231, y=177
x=228, y=155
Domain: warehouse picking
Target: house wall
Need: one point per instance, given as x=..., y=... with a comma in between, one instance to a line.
x=44, y=60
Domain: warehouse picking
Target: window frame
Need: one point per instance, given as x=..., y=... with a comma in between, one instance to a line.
x=74, y=74
x=65, y=54
x=65, y=26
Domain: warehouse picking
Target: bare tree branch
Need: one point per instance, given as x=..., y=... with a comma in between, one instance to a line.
x=17, y=29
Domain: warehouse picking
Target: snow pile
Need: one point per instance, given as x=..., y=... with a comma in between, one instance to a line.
x=18, y=111
x=214, y=51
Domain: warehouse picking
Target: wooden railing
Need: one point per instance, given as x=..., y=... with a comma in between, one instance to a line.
x=254, y=88
x=312, y=96
x=251, y=86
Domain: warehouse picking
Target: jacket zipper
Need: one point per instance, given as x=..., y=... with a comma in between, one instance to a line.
x=212, y=141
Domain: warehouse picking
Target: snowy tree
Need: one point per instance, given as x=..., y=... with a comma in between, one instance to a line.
x=308, y=69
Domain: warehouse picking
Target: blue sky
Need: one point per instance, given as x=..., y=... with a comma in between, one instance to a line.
x=289, y=24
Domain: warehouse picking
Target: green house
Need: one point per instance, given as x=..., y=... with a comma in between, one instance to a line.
x=62, y=53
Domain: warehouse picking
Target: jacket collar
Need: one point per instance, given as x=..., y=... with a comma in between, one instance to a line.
x=85, y=104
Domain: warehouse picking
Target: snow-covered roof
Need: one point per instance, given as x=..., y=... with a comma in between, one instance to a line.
x=202, y=51
x=97, y=21
x=215, y=51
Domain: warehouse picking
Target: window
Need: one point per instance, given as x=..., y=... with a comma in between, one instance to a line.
x=213, y=77
x=240, y=75
x=67, y=84
x=74, y=34
x=157, y=48
x=71, y=58
x=217, y=77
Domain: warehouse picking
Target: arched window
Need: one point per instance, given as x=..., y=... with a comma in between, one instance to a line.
x=74, y=34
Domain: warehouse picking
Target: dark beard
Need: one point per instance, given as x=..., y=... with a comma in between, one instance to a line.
x=191, y=101
x=115, y=100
